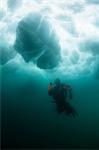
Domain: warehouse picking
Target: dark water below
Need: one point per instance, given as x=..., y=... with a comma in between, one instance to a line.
x=29, y=119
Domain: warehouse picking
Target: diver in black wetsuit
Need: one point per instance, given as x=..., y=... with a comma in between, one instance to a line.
x=60, y=93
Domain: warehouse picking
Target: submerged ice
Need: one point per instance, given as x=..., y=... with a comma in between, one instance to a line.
x=62, y=35
x=37, y=41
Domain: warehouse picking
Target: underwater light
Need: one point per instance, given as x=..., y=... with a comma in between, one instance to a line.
x=73, y=27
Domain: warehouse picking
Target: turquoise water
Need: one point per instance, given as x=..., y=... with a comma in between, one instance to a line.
x=41, y=40
x=29, y=119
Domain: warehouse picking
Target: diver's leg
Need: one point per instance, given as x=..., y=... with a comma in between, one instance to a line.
x=60, y=106
x=70, y=110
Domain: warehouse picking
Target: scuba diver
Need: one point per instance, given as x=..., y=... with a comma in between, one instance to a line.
x=61, y=93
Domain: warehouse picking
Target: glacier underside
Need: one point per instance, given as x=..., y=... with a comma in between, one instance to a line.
x=40, y=41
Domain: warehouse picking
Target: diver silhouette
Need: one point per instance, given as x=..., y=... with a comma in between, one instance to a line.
x=61, y=93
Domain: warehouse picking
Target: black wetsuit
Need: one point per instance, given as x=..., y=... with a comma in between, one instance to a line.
x=60, y=95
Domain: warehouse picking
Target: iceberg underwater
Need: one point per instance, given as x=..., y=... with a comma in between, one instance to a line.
x=39, y=42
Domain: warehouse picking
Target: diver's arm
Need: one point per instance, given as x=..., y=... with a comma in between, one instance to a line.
x=68, y=88
x=69, y=91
